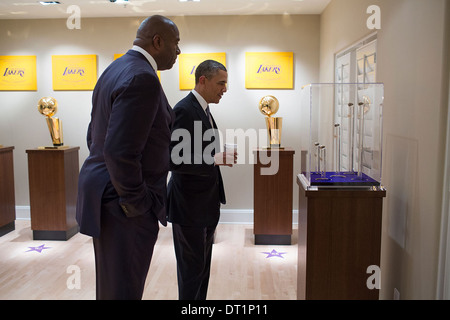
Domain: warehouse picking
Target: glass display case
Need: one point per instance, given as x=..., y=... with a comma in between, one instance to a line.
x=342, y=135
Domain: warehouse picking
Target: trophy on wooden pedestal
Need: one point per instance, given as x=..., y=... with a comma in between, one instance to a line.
x=268, y=106
x=48, y=107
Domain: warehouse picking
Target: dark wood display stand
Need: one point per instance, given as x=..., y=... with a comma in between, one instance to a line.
x=7, y=196
x=339, y=237
x=53, y=182
x=272, y=198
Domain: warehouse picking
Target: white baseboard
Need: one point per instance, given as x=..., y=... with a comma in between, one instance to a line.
x=231, y=216
x=245, y=216
x=236, y=216
x=23, y=213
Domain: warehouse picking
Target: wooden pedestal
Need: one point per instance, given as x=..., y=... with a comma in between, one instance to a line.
x=272, y=197
x=53, y=182
x=339, y=237
x=7, y=196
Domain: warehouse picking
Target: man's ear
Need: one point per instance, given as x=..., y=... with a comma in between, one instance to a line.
x=202, y=79
x=157, y=41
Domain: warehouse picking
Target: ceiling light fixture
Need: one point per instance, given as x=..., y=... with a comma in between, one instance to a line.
x=189, y=0
x=49, y=3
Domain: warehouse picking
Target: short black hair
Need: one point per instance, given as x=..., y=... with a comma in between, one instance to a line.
x=208, y=68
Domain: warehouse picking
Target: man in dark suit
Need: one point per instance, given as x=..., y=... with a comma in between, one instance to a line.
x=122, y=184
x=195, y=189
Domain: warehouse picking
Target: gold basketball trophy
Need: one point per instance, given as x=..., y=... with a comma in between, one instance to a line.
x=268, y=106
x=48, y=106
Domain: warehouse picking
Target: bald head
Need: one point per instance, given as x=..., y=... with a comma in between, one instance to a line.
x=152, y=26
x=159, y=36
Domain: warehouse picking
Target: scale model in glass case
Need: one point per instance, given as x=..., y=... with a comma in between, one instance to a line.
x=342, y=134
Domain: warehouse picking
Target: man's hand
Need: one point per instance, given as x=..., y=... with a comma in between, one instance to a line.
x=225, y=158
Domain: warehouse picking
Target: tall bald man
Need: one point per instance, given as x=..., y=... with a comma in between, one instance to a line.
x=122, y=184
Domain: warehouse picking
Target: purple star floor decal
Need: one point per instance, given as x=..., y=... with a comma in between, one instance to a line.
x=274, y=253
x=38, y=249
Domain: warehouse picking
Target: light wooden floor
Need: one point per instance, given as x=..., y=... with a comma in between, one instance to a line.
x=240, y=270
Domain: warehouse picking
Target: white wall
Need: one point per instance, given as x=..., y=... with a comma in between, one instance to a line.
x=23, y=127
x=412, y=64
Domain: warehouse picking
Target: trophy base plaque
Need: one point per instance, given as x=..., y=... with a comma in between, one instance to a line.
x=54, y=148
x=273, y=146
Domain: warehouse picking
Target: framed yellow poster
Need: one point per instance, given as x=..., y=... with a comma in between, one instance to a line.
x=118, y=55
x=269, y=70
x=188, y=63
x=18, y=73
x=74, y=72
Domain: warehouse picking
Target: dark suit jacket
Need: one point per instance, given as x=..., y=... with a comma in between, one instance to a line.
x=128, y=139
x=195, y=189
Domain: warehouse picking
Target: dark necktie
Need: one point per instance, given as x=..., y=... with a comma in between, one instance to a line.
x=209, y=116
x=216, y=137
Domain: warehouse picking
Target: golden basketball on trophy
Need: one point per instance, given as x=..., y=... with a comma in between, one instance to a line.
x=48, y=106
x=268, y=106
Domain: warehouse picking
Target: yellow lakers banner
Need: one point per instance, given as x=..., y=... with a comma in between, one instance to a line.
x=18, y=73
x=269, y=70
x=74, y=72
x=188, y=63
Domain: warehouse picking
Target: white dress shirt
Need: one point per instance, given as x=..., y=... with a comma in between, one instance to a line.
x=204, y=105
x=200, y=100
x=147, y=55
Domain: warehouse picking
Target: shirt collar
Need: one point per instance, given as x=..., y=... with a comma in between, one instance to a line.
x=200, y=99
x=146, y=55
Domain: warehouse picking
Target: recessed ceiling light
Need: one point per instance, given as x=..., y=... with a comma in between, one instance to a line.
x=189, y=0
x=48, y=3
